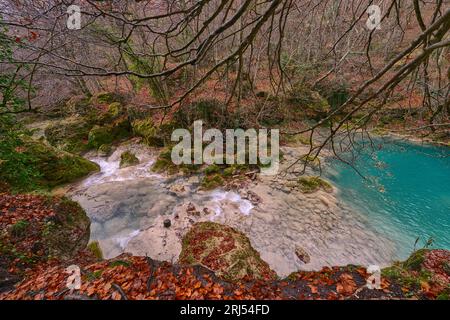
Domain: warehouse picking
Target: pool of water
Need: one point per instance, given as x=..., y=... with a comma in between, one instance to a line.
x=404, y=190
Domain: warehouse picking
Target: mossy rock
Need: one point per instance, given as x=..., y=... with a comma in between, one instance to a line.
x=78, y=105
x=128, y=159
x=229, y=171
x=69, y=230
x=106, y=98
x=70, y=134
x=114, y=111
x=106, y=134
x=313, y=184
x=57, y=167
x=100, y=135
x=211, y=169
x=224, y=250
x=19, y=228
x=212, y=181
x=61, y=235
x=104, y=150
x=164, y=164
x=145, y=128
x=309, y=101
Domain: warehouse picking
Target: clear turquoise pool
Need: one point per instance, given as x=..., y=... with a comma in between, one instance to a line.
x=405, y=192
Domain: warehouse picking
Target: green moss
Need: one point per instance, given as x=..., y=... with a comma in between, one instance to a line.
x=409, y=273
x=19, y=228
x=402, y=276
x=115, y=109
x=106, y=98
x=309, y=101
x=145, y=128
x=313, y=184
x=445, y=295
x=92, y=276
x=212, y=181
x=119, y=263
x=70, y=231
x=104, y=150
x=128, y=159
x=211, y=169
x=94, y=247
x=100, y=135
x=415, y=260
x=77, y=105
x=57, y=167
x=446, y=267
x=229, y=171
x=165, y=164
x=70, y=134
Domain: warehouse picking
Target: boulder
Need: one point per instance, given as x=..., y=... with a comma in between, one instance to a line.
x=224, y=250
x=302, y=255
x=128, y=159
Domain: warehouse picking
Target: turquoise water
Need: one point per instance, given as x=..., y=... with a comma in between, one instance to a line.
x=405, y=192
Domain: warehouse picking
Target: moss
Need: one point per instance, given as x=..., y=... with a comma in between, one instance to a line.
x=104, y=150
x=106, y=98
x=404, y=277
x=211, y=169
x=445, y=295
x=229, y=171
x=92, y=276
x=70, y=231
x=212, y=181
x=313, y=184
x=128, y=159
x=57, y=167
x=145, y=128
x=19, y=228
x=309, y=101
x=100, y=135
x=70, y=134
x=77, y=105
x=119, y=263
x=409, y=273
x=415, y=260
x=115, y=109
x=225, y=250
x=446, y=267
x=165, y=164
x=94, y=248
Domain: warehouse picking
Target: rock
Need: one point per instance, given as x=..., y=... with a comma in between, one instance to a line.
x=128, y=159
x=146, y=129
x=224, y=250
x=179, y=189
x=69, y=134
x=167, y=223
x=54, y=166
x=302, y=255
x=104, y=150
x=100, y=135
x=192, y=210
x=253, y=197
